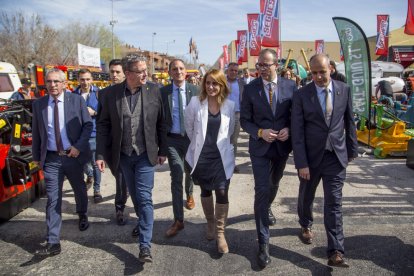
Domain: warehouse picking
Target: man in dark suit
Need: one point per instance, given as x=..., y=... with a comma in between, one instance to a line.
x=61, y=130
x=265, y=116
x=324, y=141
x=176, y=97
x=131, y=134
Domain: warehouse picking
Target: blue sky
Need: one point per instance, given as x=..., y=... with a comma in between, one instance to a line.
x=211, y=23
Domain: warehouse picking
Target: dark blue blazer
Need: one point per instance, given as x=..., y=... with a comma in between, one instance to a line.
x=310, y=131
x=78, y=127
x=167, y=92
x=256, y=113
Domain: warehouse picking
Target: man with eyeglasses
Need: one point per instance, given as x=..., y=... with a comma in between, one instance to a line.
x=131, y=134
x=61, y=127
x=89, y=93
x=265, y=116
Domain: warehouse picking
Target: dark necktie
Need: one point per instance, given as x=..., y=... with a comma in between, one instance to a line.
x=180, y=106
x=58, y=138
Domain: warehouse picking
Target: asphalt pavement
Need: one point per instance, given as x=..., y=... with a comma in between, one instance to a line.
x=378, y=207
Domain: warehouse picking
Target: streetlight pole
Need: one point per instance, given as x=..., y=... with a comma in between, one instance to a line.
x=152, y=54
x=168, y=42
x=112, y=23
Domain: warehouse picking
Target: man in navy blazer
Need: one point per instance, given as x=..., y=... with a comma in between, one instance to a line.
x=177, y=140
x=324, y=141
x=61, y=153
x=265, y=116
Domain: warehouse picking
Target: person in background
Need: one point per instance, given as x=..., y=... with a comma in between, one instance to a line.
x=286, y=73
x=89, y=93
x=25, y=92
x=324, y=141
x=236, y=94
x=246, y=76
x=176, y=97
x=209, y=122
x=265, y=116
x=335, y=75
x=192, y=80
x=117, y=76
x=61, y=128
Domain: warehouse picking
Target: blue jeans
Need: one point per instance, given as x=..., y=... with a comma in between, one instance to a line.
x=139, y=176
x=91, y=169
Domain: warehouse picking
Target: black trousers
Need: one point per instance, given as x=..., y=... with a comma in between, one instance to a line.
x=333, y=176
x=267, y=171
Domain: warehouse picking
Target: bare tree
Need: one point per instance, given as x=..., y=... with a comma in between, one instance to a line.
x=25, y=39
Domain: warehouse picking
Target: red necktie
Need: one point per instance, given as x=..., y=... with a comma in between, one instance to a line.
x=58, y=138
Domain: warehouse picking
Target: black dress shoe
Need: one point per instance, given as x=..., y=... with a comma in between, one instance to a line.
x=135, y=231
x=145, y=255
x=272, y=219
x=263, y=258
x=120, y=218
x=49, y=249
x=83, y=222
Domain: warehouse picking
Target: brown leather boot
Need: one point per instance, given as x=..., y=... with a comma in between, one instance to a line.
x=222, y=211
x=208, y=208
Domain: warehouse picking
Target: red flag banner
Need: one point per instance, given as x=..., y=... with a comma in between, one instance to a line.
x=242, y=49
x=254, y=39
x=221, y=63
x=319, y=46
x=238, y=59
x=409, y=23
x=225, y=54
x=269, y=23
x=381, y=47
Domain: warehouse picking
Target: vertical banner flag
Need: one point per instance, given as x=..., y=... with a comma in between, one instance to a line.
x=89, y=56
x=269, y=23
x=409, y=22
x=357, y=63
x=225, y=54
x=254, y=39
x=319, y=46
x=221, y=63
x=381, y=47
x=242, y=38
x=238, y=59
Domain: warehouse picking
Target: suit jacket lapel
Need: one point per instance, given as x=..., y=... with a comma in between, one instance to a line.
x=315, y=101
x=336, y=94
x=119, y=95
x=204, y=117
x=262, y=93
x=44, y=106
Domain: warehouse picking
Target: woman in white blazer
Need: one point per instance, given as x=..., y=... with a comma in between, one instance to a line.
x=209, y=123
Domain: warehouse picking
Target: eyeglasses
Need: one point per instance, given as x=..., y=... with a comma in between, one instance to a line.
x=142, y=72
x=264, y=65
x=53, y=81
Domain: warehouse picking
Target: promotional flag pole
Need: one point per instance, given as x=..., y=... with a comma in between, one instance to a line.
x=357, y=62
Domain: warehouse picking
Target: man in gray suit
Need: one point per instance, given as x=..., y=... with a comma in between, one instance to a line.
x=324, y=141
x=265, y=116
x=131, y=134
x=61, y=128
x=176, y=97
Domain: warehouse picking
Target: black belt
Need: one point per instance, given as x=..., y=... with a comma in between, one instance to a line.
x=60, y=153
x=175, y=135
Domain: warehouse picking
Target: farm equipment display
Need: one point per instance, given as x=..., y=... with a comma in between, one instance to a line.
x=21, y=180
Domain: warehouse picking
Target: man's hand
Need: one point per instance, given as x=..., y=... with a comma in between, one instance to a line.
x=74, y=152
x=91, y=111
x=101, y=165
x=269, y=135
x=283, y=134
x=304, y=173
x=161, y=160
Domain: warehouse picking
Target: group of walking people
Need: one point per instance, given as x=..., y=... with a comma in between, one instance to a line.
x=139, y=125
